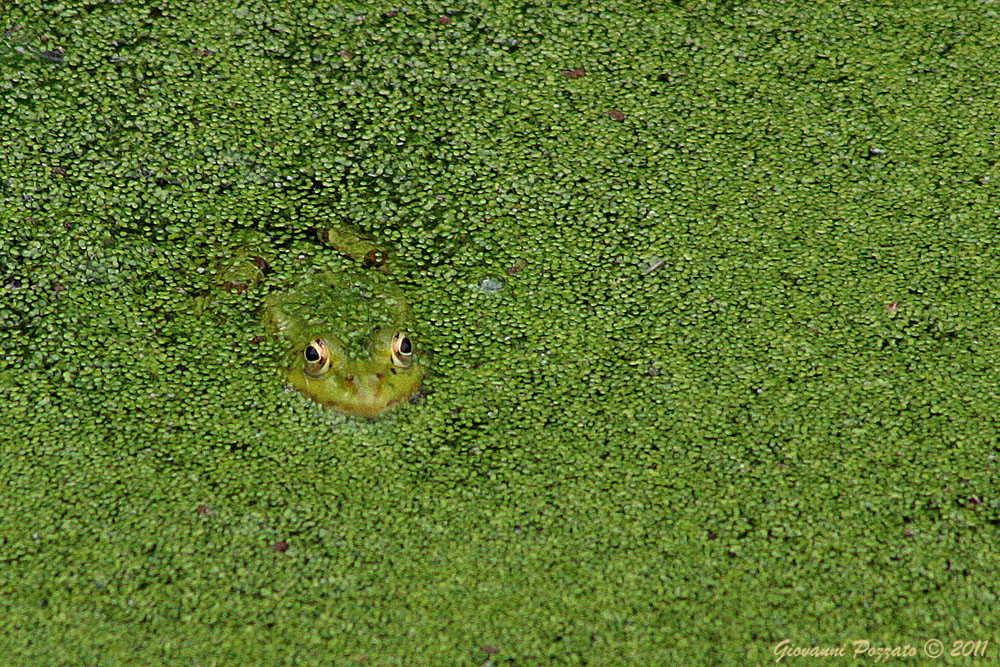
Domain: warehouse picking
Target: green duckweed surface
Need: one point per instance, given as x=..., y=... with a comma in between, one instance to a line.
x=707, y=293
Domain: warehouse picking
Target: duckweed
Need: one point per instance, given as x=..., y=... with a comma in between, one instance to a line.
x=739, y=385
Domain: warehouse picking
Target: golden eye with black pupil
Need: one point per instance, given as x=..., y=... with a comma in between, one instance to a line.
x=317, y=357
x=402, y=350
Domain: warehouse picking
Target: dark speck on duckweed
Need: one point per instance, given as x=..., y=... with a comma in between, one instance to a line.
x=734, y=380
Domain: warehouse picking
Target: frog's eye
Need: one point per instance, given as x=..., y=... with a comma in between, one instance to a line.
x=402, y=350
x=317, y=356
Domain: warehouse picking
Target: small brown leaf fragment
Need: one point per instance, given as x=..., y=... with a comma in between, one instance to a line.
x=262, y=265
x=374, y=258
x=517, y=267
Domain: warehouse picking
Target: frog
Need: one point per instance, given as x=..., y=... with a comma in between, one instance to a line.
x=345, y=334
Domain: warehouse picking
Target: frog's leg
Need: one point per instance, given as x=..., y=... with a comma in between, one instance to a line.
x=355, y=245
x=244, y=270
x=237, y=267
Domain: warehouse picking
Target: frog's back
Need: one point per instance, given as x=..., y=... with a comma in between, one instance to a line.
x=349, y=304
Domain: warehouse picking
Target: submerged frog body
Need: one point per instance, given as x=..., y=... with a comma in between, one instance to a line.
x=346, y=331
x=348, y=346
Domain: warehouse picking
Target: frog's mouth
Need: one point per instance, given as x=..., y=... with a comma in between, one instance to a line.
x=364, y=394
